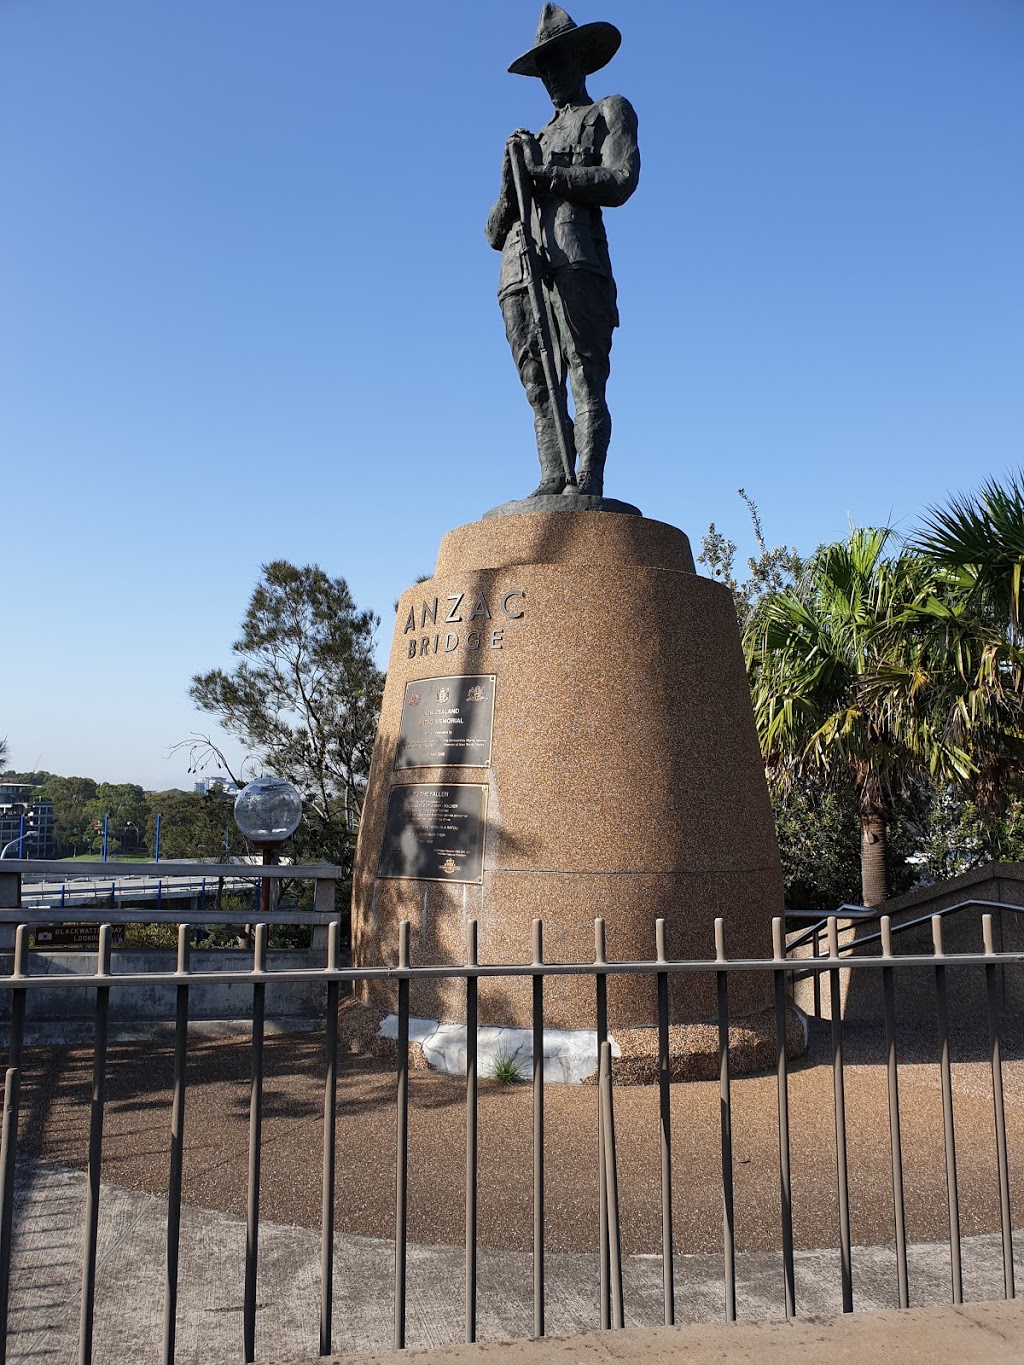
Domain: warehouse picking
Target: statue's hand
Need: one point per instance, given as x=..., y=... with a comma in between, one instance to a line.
x=533, y=157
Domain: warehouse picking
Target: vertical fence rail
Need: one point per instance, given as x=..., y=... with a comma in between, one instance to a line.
x=538, y=1131
x=609, y=1176
x=252, y=1200
x=604, y=1271
x=948, y=1131
x=725, y=1112
x=782, y=1086
x=472, y=1146
x=330, y=1133
x=992, y=991
x=12, y=1083
x=665, y=1113
x=9, y=1140
x=895, y=1141
x=839, y=1100
x=92, y=1194
x=402, y=1137
x=177, y=1151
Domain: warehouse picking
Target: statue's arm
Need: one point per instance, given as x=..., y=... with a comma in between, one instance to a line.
x=505, y=211
x=614, y=180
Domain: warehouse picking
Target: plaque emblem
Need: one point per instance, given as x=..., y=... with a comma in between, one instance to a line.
x=447, y=722
x=435, y=833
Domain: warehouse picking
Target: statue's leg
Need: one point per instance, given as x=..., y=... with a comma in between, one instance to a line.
x=522, y=339
x=584, y=306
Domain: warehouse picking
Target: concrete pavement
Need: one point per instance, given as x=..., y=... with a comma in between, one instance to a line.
x=46, y=1277
x=979, y=1334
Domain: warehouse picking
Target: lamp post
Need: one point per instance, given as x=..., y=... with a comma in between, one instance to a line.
x=268, y=811
x=29, y=835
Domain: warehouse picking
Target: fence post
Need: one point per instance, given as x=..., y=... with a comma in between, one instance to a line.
x=839, y=1101
x=992, y=991
x=782, y=1084
x=601, y=987
x=252, y=1202
x=472, y=1146
x=895, y=1139
x=609, y=1176
x=668, y=1283
x=538, y=1130
x=948, y=1129
x=10, y=899
x=177, y=1148
x=725, y=1111
x=402, y=1136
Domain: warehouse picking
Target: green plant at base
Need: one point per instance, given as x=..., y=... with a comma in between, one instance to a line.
x=506, y=1070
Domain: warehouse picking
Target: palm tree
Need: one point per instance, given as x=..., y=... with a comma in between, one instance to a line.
x=972, y=639
x=3, y=754
x=835, y=693
x=981, y=539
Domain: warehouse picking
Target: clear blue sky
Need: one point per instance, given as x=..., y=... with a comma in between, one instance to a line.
x=248, y=310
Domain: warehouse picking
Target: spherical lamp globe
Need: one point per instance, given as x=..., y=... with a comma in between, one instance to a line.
x=268, y=810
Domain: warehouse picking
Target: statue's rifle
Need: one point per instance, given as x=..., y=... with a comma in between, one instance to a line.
x=542, y=319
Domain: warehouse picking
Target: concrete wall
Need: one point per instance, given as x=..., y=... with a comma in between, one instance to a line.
x=145, y=1003
x=861, y=991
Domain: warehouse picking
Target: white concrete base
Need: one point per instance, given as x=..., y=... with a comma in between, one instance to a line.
x=570, y=1055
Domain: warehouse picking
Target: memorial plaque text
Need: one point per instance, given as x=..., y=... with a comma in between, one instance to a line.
x=435, y=833
x=447, y=723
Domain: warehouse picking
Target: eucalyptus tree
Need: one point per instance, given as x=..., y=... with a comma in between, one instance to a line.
x=303, y=698
x=770, y=571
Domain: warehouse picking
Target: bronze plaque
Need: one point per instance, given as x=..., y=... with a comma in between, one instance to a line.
x=447, y=723
x=435, y=833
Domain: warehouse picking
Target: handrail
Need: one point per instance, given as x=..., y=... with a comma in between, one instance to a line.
x=56, y=871
x=905, y=925
x=845, y=911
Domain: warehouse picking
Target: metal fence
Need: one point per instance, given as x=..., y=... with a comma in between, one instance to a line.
x=826, y=968
x=38, y=892
x=128, y=889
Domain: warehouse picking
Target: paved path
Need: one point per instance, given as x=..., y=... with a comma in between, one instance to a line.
x=980, y=1334
x=46, y=1275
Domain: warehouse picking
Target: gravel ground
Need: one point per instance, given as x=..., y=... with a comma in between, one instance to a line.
x=55, y=1110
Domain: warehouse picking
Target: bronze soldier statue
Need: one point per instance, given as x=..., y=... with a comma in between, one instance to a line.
x=556, y=290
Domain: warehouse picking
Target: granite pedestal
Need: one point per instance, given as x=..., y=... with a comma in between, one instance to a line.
x=622, y=778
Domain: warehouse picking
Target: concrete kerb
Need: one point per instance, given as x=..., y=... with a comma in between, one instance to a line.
x=992, y=1333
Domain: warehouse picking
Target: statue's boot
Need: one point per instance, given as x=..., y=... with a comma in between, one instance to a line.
x=593, y=433
x=552, y=475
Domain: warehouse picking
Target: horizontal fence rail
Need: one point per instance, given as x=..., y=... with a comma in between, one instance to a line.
x=49, y=893
x=20, y=981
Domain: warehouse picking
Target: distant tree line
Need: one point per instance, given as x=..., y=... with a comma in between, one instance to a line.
x=192, y=825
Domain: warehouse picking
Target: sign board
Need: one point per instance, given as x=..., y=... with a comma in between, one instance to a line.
x=435, y=833
x=75, y=935
x=447, y=723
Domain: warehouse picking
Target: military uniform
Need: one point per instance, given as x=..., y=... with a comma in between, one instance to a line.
x=590, y=160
